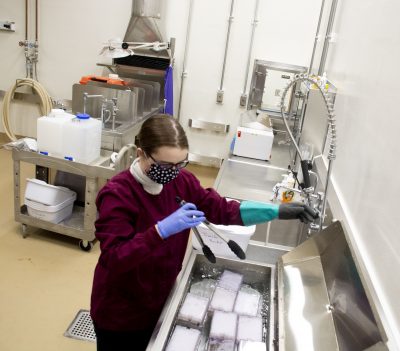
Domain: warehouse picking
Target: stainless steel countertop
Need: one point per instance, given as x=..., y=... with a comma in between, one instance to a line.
x=245, y=178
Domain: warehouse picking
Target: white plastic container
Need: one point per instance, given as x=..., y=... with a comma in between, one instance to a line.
x=54, y=214
x=240, y=234
x=82, y=139
x=50, y=131
x=47, y=194
x=253, y=143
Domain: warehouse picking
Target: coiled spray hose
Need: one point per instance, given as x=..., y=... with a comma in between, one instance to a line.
x=331, y=129
x=45, y=102
x=329, y=107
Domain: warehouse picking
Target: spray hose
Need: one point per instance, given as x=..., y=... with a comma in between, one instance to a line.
x=329, y=107
x=45, y=102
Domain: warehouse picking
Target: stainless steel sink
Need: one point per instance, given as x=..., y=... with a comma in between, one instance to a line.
x=259, y=276
x=246, y=179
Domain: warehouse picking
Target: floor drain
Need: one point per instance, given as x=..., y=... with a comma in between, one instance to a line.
x=81, y=327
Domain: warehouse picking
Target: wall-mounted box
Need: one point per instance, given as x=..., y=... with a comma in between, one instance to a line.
x=7, y=26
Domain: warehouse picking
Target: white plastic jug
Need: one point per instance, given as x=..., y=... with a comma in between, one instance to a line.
x=50, y=131
x=82, y=139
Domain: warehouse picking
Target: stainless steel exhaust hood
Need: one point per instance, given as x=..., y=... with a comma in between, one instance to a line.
x=143, y=27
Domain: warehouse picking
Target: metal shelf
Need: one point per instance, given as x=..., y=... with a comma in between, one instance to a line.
x=81, y=223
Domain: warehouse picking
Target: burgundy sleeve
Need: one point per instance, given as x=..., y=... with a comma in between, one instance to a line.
x=122, y=248
x=218, y=210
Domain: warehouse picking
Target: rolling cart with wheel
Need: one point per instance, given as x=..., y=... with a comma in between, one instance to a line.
x=80, y=224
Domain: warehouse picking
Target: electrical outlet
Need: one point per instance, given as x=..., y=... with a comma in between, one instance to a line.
x=243, y=100
x=7, y=25
x=220, y=96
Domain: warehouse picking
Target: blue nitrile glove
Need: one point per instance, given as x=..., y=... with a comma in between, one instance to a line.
x=253, y=212
x=183, y=218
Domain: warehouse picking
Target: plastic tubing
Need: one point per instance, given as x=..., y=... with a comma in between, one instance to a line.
x=45, y=102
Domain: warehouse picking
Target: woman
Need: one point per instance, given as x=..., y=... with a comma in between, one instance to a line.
x=143, y=233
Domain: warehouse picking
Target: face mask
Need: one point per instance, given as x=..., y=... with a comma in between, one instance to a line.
x=161, y=175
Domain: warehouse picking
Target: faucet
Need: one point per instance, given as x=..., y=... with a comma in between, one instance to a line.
x=114, y=111
x=321, y=199
x=109, y=112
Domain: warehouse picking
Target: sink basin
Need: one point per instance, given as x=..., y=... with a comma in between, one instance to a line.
x=248, y=180
x=108, y=125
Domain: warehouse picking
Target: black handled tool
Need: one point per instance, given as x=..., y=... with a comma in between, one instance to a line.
x=233, y=245
x=206, y=249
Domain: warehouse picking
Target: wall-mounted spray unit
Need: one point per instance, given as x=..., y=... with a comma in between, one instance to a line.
x=31, y=47
x=332, y=141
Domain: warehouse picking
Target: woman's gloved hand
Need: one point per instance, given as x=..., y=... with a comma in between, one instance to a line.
x=297, y=210
x=185, y=217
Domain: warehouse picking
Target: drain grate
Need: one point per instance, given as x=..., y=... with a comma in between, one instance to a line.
x=81, y=327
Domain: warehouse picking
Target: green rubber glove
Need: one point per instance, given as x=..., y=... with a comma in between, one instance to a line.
x=253, y=212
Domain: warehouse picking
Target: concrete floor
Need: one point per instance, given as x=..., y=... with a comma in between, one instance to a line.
x=45, y=279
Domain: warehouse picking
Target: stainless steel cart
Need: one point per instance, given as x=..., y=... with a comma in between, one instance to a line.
x=81, y=224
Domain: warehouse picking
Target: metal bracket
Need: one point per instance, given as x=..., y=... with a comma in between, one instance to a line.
x=203, y=160
x=243, y=100
x=210, y=126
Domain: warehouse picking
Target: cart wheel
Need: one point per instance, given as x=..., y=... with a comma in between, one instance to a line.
x=24, y=230
x=85, y=245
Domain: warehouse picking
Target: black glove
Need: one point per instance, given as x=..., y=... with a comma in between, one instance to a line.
x=297, y=210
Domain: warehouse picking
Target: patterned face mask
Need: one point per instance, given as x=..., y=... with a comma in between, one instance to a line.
x=162, y=175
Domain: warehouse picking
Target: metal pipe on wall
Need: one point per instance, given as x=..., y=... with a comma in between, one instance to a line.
x=327, y=38
x=184, y=73
x=36, y=20
x=36, y=37
x=243, y=98
x=321, y=12
x=220, y=93
x=26, y=20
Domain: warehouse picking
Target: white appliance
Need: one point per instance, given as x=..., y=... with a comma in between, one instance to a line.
x=253, y=143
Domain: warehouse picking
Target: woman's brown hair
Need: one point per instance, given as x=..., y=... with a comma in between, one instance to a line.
x=161, y=130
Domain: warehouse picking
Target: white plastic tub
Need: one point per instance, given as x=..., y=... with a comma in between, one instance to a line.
x=54, y=214
x=240, y=234
x=46, y=194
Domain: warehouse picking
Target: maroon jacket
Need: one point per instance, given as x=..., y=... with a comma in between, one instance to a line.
x=137, y=268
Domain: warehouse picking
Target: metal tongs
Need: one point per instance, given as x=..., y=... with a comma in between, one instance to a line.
x=233, y=245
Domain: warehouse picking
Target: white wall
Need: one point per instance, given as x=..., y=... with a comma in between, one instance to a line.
x=363, y=64
x=70, y=37
x=71, y=33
